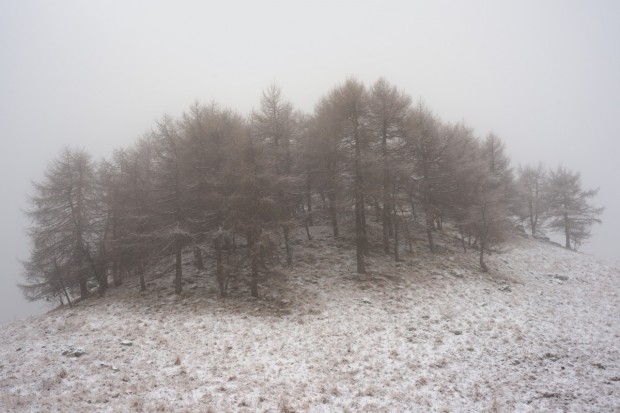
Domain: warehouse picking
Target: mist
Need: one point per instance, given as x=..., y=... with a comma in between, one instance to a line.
x=543, y=76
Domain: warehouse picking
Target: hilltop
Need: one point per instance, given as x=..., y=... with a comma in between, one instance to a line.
x=539, y=332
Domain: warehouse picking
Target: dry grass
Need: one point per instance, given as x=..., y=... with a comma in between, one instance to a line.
x=411, y=336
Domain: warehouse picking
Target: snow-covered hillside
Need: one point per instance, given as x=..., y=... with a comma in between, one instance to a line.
x=539, y=333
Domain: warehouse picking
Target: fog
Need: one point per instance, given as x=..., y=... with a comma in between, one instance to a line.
x=544, y=76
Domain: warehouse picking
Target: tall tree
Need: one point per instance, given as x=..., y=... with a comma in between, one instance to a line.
x=388, y=109
x=170, y=207
x=65, y=217
x=275, y=124
x=428, y=147
x=251, y=209
x=490, y=209
x=325, y=158
x=351, y=108
x=570, y=210
x=132, y=239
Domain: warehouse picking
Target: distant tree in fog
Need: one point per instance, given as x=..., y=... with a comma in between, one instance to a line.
x=569, y=209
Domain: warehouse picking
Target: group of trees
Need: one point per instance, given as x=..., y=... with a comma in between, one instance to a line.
x=555, y=200
x=235, y=187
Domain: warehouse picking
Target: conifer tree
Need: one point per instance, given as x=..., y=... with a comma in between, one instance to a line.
x=569, y=209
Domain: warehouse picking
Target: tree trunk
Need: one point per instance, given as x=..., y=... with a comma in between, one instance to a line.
x=359, y=240
x=254, y=282
x=287, y=245
x=408, y=235
x=100, y=276
x=483, y=266
x=198, y=262
x=396, y=256
x=254, y=286
x=462, y=239
x=386, y=223
x=219, y=267
x=332, y=214
x=429, y=231
x=178, y=267
x=117, y=280
x=310, y=220
x=532, y=221
x=116, y=275
x=254, y=261
x=566, y=231
x=377, y=208
x=62, y=284
x=82, y=280
x=386, y=197
x=365, y=247
x=307, y=225
x=142, y=281
x=412, y=204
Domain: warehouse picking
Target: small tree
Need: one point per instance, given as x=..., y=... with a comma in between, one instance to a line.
x=486, y=212
x=488, y=215
x=570, y=211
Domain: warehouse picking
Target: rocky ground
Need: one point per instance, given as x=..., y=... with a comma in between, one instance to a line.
x=539, y=333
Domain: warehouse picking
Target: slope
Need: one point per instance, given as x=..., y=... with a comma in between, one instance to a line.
x=540, y=332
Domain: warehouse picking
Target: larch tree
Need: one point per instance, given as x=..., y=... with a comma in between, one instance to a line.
x=64, y=231
x=569, y=208
x=463, y=165
x=388, y=110
x=251, y=208
x=275, y=124
x=170, y=210
x=428, y=147
x=530, y=193
x=489, y=213
x=132, y=240
x=325, y=158
x=350, y=102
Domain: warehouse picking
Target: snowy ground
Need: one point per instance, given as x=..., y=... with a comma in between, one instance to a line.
x=539, y=333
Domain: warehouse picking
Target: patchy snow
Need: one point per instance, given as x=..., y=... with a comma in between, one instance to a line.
x=539, y=333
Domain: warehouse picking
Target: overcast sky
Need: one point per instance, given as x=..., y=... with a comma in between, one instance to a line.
x=543, y=75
